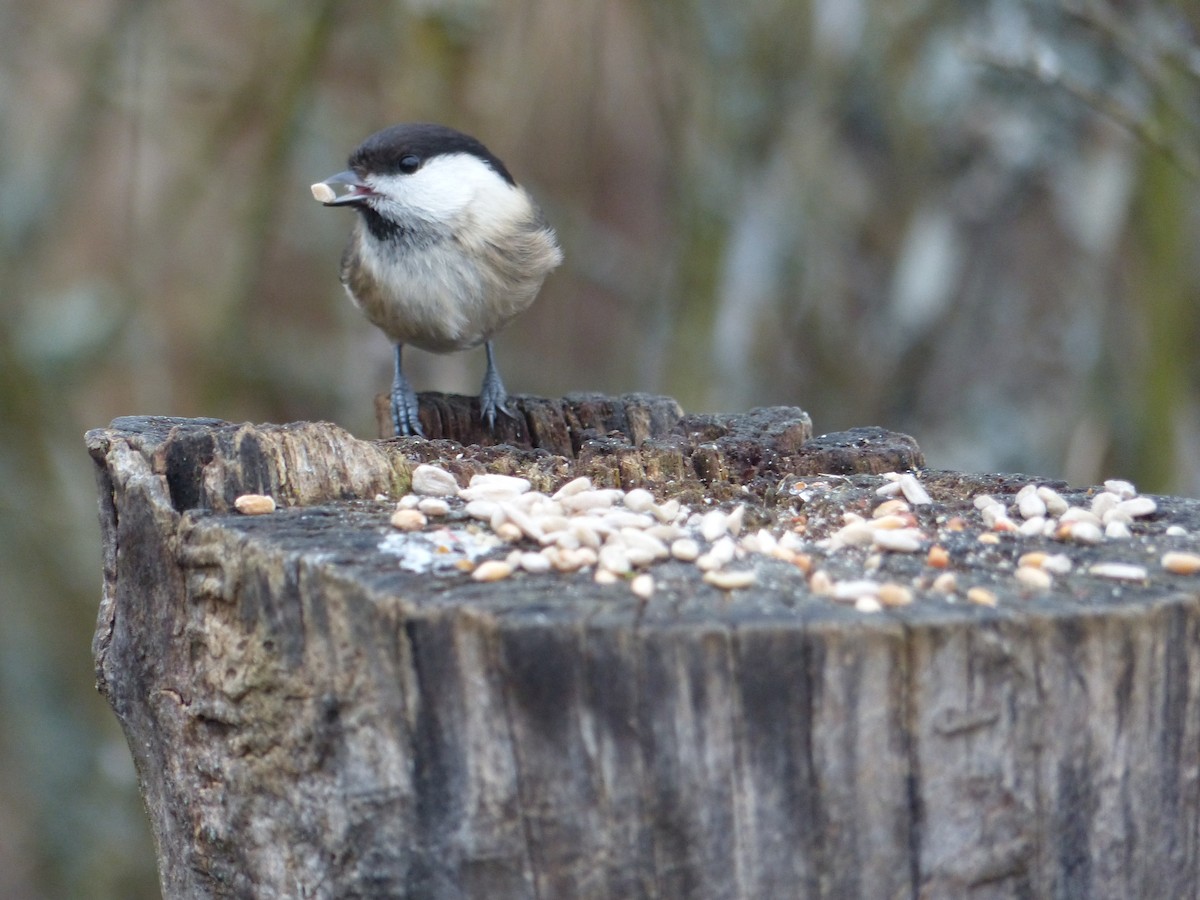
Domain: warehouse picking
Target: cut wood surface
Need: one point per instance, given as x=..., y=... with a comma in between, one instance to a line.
x=311, y=718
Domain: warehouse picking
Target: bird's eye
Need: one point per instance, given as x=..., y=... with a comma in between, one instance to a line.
x=410, y=164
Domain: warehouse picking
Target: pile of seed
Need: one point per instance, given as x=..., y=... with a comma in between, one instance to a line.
x=619, y=535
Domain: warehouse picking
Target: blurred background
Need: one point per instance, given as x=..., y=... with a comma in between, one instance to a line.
x=975, y=223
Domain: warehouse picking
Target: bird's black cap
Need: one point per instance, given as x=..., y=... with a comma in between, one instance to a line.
x=383, y=151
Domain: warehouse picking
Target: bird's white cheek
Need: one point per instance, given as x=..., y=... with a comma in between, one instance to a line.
x=447, y=189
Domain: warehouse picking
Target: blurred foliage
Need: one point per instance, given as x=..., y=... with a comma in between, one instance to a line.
x=972, y=222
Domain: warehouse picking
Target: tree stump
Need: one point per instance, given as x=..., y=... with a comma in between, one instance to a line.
x=310, y=719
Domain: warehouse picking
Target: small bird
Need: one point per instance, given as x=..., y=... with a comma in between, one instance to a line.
x=446, y=250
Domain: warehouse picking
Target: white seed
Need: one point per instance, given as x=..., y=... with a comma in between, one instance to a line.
x=914, y=492
x=1119, y=571
x=1079, y=514
x=735, y=519
x=983, y=501
x=587, y=500
x=620, y=518
x=892, y=522
x=946, y=583
x=642, y=586
x=566, y=540
x=1031, y=506
x=433, y=506
x=891, y=489
x=1034, y=577
x=432, y=481
x=254, y=504
x=729, y=581
x=889, y=508
x=494, y=487
x=483, y=510
x=685, y=549
x=666, y=511
x=408, y=519
x=1055, y=504
x=855, y=534
x=892, y=594
x=615, y=558
x=408, y=501
x=604, y=576
x=1116, y=514
x=508, y=532
x=1057, y=564
x=1179, y=563
x=1117, y=529
x=585, y=532
x=492, y=570
x=1137, y=507
x=323, y=193
x=713, y=525
x=1176, y=531
x=868, y=604
x=1103, y=502
x=635, y=539
x=820, y=582
x=1122, y=489
x=981, y=596
x=665, y=533
x=1032, y=527
x=639, y=500
x=529, y=527
x=907, y=540
x=573, y=487
x=1082, y=532
x=535, y=563
x=849, y=591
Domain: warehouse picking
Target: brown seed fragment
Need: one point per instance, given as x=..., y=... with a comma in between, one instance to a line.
x=938, y=557
x=981, y=596
x=492, y=570
x=408, y=519
x=1179, y=563
x=254, y=504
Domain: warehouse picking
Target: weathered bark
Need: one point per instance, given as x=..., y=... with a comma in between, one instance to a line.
x=310, y=720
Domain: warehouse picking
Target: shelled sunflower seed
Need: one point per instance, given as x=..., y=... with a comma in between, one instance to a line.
x=621, y=535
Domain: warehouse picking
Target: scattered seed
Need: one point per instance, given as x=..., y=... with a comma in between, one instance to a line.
x=1034, y=577
x=733, y=523
x=1176, y=531
x=849, y=591
x=1136, y=507
x=914, y=492
x=639, y=500
x=983, y=501
x=254, y=504
x=604, y=576
x=892, y=594
x=946, y=583
x=432, y=481
x=981, y=596
x=1031, y=506
x=938, y=557
x=1079, y=514
x=1179, y=563
x=490, y=486
x=615, y=558
x=685, y=549
x=868, y=604
x=891, y=489
x=820, y=582
x=713, y=525
x=667, y=511
x=989, y=538
x=1055, y=504
x=907, y=540
x=1080, y=532
x=408, y=519
x=535, y=563
x=1118, y=571
x=1117, y=529
x=408, y=501
x=492, y=570
x=729, y=581
x=1103, y=502
x=433, y=506
x=508, y=532
x=889, y=508
x=573, y=487
x=1123, y=489
x=642, y=586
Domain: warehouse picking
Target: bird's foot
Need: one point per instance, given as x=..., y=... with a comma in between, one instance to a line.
x=493, y=398
x=404, y=411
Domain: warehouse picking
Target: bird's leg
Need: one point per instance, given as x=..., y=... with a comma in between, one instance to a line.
x=492, y=396
x=404, y=402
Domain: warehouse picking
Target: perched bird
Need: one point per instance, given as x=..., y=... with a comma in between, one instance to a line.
x=446, y=250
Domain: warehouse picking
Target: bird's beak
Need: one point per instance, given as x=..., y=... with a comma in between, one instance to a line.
x=357, y=192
